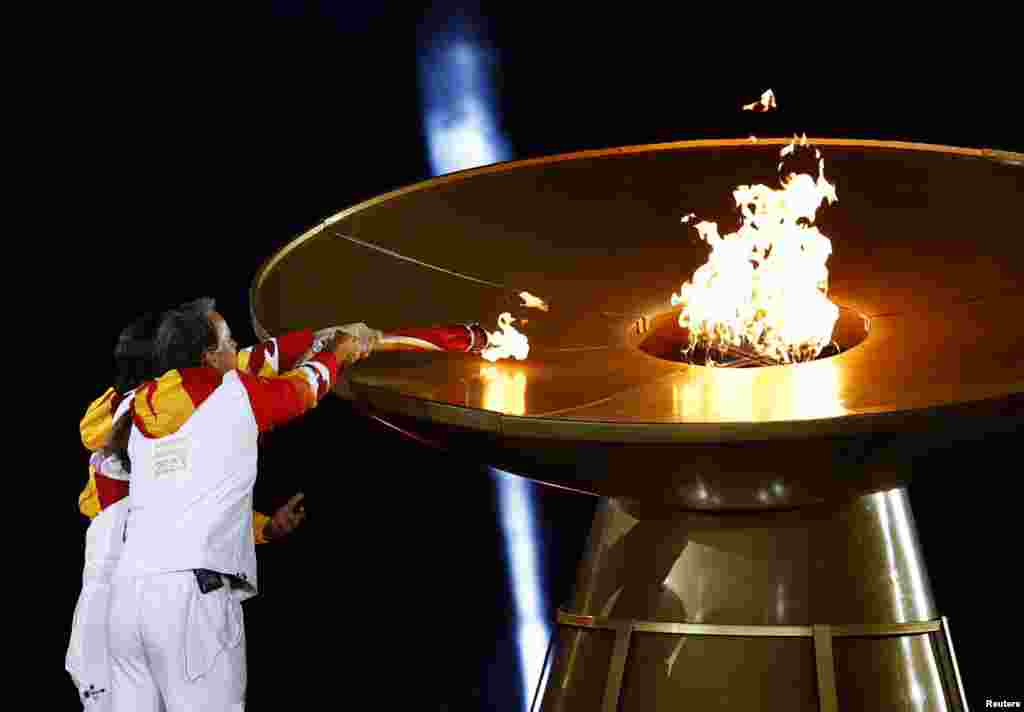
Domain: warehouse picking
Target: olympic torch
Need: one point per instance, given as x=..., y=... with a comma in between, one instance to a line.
x=466, y=337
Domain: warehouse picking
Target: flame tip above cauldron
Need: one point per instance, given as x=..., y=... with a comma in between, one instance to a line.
x=767, y=102
x=532, y=302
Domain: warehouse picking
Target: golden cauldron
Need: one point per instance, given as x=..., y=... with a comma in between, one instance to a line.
x=754, y=548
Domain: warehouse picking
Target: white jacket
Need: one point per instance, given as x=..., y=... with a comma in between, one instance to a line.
x=191, y=492
x=191, y=486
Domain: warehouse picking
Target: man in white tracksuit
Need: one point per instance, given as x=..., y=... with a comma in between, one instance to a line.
x=188, y=560
x=104, y=500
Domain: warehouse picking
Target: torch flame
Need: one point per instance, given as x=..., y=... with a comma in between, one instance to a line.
x=765, y=286
x=766, y=103
x=533, y=302
x=508, y=342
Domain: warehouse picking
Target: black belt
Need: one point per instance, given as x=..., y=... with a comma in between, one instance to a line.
x=212, y=580
x=208, y=580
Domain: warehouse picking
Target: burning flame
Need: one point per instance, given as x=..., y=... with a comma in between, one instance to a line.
x=533, y=302
x=766, y=103
x=508, y=342
x=503, y=392
x=764, y=288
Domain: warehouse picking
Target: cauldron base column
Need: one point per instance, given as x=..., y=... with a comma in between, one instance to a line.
x=820, y=608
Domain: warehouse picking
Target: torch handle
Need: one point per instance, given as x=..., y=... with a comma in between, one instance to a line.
x=394, y=342
x=456, y=338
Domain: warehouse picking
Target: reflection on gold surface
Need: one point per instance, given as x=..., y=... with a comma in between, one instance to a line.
x=918, y=596
x=715, y=398
x=910, y=596
x=504, y=390
x=796, y=392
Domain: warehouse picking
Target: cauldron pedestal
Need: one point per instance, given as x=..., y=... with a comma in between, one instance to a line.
x=820, y=608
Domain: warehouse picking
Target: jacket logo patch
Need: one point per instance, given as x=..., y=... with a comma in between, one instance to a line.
x=171, y=457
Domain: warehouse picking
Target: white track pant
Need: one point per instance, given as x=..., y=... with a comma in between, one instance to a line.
x=175, y=649
x=88, y=659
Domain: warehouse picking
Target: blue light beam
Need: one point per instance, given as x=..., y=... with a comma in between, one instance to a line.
x=459, y=109
x=458, y=105
x=519, y=524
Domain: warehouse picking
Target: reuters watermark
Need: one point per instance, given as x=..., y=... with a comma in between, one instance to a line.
x=1002, y=704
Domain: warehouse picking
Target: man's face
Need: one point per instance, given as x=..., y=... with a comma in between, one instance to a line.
x=225, y=357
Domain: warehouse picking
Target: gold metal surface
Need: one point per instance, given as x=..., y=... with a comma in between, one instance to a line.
x=769, y=631
x=679, y=581
x=666, y=673
x=579, y=674
x=876, y=631
x=925, y=245
x=949, y=656
x=854, y=563
x=610, y=703
x=765, y=499
x=743, y=631
x=825, y=665
x=919, y=688
x=890, y=673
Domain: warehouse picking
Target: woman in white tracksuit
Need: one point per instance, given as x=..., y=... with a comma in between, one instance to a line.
x=105, y=501
x=87, y=658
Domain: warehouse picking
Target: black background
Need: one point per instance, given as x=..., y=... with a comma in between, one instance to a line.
x=195, y=143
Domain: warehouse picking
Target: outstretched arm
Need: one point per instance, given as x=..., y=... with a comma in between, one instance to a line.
x=268, y=359
x=279, y=399
x=283, y=353
x=276, y=355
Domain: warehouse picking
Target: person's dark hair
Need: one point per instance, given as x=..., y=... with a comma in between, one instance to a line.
x=134, y=357
x=185, y=333
x=134, y=352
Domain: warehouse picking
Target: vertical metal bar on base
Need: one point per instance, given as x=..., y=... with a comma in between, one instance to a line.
x=613, y=687
x=956, y=668
x=574, y=647
x=544, y=667
x=828, y=700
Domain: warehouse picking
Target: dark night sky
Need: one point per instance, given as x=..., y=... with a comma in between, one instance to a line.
x=201, y=143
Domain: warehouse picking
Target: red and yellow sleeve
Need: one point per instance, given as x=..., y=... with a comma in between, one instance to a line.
x=259, y=525
x=103, y=488
x=89, y=499
x=275, y=355
x=98, y=420
x=277, y=400
x=291, y=347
